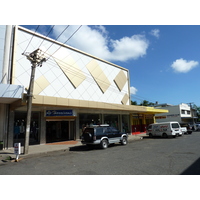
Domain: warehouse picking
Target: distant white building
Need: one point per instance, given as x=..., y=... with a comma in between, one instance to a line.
x=182, y=113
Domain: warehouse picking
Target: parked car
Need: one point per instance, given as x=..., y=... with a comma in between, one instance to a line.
x=103, y=135
x=188, y=126
x=197, y=127
x=184, y=129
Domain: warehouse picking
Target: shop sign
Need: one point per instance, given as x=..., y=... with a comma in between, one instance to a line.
x=58, y=113
x=149, y=116
x=174, y=115
x=160, y=117
x=17, y=148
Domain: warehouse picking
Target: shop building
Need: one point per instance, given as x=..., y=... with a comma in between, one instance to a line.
x=72, y=90
x=181, y=113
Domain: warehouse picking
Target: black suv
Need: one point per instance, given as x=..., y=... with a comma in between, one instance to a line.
x=103, y=136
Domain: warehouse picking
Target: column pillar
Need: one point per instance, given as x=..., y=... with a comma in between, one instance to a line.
x=42, y=129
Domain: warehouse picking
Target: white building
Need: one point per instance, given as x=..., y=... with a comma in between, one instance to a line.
x=181, y=113
x=72, y=89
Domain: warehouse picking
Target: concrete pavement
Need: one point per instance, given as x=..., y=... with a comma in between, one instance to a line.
x=8, y=154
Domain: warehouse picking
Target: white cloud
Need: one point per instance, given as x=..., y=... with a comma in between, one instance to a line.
x=155, y=32
x=95, y=40
x=129, y=48
x=133, y=90
x=183, y=66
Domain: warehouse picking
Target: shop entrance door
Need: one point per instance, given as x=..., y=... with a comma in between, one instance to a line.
x=57, y=131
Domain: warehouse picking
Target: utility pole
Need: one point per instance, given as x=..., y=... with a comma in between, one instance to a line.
x=192, y=115
x=36, y=58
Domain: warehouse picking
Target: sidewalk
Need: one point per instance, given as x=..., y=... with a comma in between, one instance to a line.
x=8, y=154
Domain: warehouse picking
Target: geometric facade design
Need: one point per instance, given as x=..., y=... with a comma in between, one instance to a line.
x=98, y=75
x=71, y=70
x=125, y=99
x=69, y=73
x=40, y=84
x=120, y=80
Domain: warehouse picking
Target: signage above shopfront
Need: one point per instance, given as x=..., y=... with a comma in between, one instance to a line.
x=58, y=113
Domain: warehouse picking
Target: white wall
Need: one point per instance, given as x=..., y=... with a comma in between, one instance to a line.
x=50, y=80
x=186, y=108
x=172, y=115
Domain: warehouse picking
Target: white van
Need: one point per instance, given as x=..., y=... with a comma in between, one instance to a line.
x=164, y=129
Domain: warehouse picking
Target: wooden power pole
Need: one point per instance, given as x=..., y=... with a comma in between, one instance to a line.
x=36, y=58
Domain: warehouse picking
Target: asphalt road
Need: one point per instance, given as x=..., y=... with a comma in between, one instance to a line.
x=149, y=156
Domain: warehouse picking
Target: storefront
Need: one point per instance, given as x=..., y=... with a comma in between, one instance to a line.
x=60, y=125
x=140, y=122
x=119, y=121
x=56, y=125
x=20, y=127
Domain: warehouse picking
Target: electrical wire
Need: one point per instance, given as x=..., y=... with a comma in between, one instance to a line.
x=58, y=37
x=65, y=41
x=141, y=98
x=31, y=38
x=46, y=36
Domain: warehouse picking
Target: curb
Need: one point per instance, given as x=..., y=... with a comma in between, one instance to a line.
x=8, y=155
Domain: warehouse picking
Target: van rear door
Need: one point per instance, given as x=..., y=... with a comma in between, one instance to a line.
x=176, y=127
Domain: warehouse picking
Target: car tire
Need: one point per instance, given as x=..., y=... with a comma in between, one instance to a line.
x=124, y=141
x=104, y=144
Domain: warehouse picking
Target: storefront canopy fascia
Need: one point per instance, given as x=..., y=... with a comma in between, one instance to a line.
x=47, y=101
x=10, y=93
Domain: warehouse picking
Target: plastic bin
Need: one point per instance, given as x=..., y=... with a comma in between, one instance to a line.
x=1, y=145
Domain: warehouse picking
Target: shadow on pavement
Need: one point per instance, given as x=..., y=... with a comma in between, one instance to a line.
x=92, y=147
x=157, y=137
x=193, y=169
x=81, y=148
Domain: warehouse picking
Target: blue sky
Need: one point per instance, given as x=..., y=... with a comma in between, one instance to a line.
x=163, y=60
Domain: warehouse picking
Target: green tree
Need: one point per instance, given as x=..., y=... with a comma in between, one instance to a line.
x=197, y=108
x=143, y=103
x=146, y=103
x=134, y=103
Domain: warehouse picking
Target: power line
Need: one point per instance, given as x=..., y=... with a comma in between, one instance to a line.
x=65, y=41
x=31, y=39
x=47, y=35
x=142, y=98
x=73, y=34
x=58, y=37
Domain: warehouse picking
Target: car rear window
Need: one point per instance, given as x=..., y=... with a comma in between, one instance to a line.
x=175, y=125
x=89, y=130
